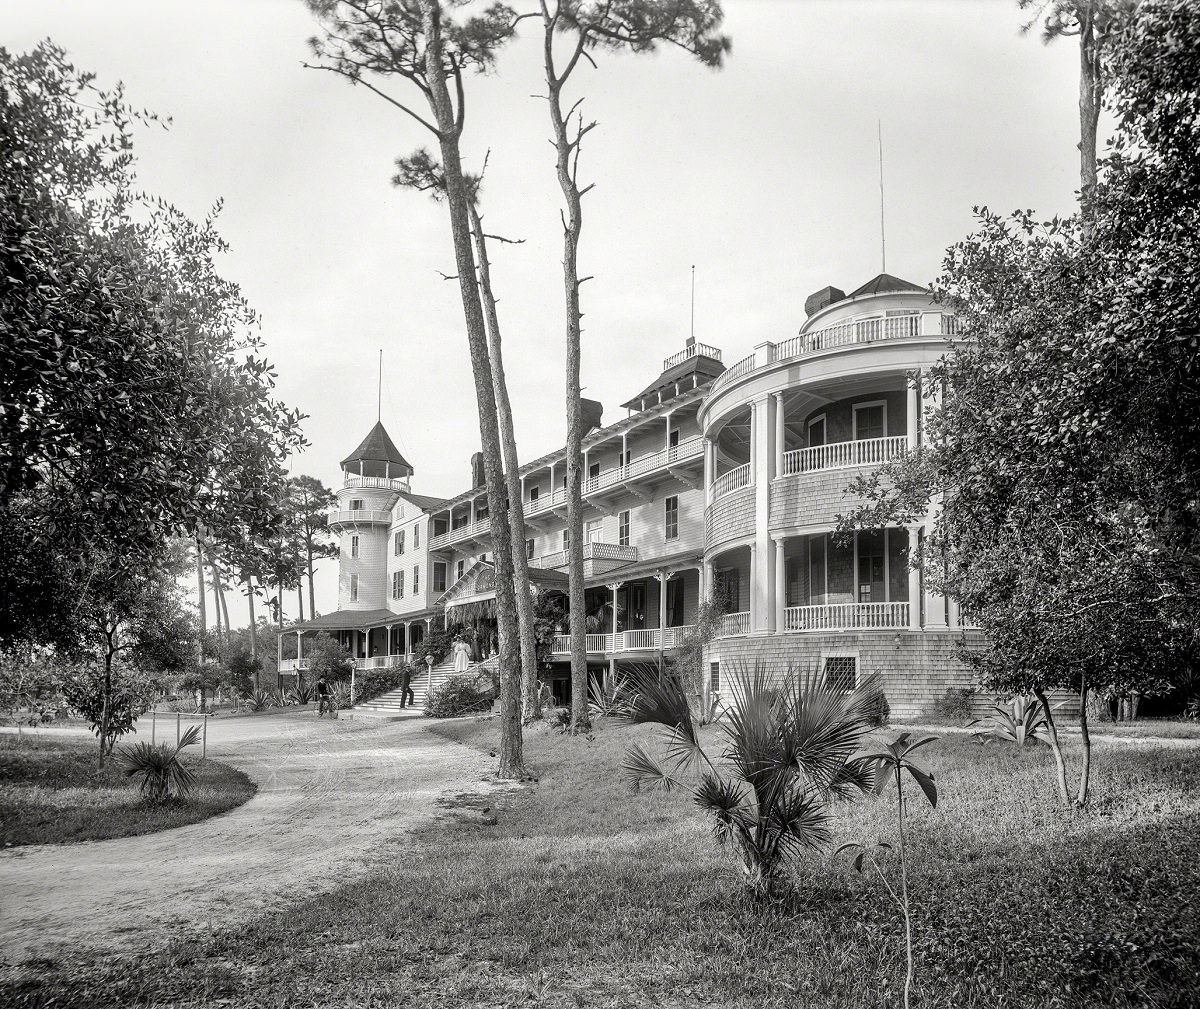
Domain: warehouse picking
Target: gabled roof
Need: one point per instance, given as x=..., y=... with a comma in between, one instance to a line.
x=377, y=447
x=885, y=283
x=349, y=620
x=424, y=501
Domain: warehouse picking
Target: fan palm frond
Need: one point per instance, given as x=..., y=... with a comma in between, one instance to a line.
x=800, y=821
x=724, y=799
x=650, y=700
x=161, y=770
x=824, y=726
x=856, y=776
x=642, y=770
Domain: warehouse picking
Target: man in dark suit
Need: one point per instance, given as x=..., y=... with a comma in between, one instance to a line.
x=406, y=691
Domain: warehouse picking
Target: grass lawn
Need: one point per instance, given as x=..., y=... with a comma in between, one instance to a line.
x=577, y=892
x=51, y=791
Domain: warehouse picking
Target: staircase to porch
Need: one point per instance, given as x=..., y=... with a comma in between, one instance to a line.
x=389, y=703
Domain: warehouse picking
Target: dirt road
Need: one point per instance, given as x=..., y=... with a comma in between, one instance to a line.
x=331, y=794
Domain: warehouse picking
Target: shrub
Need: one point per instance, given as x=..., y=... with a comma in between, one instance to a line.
x=954, y=706
x=463, y=694
x=876, y=709
x=1019, y=723
x=160, y=767
x=261, y=700
x=301, y=693
x=370, y=683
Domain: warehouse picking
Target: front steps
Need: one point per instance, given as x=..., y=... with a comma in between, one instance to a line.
x=388, y=704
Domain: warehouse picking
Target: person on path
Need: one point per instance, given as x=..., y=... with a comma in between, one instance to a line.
x=322, y=696
x=406, y=691
x=462, y=655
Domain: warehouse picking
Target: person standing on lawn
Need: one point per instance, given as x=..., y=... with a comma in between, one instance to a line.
x=322, y=696
x=406, y=691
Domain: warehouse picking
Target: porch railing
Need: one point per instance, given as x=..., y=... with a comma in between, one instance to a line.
x=383, y=482
x=846, y=616
x=593, y=550
x=360, y=516
x=626, y=641
x=733, y=624
x=690, y=448
x=695, y=350
x=727, y=483
x=843, y=454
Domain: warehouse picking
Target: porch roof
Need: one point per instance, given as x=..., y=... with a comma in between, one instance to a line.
x=356, y=620
x=638, y=569
x=479, y=582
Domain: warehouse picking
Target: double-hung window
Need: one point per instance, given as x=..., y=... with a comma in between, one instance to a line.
x=398, y=543
x=623, y=529
x=417, y=536
x=353, y=546
x=672, y=517
x=397, y=584
x=354, y=588
x=416, y=578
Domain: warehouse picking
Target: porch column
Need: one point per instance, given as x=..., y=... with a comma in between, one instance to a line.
x=299, y=648
x=612, y=587
x=710, y=451
x=780, y=588
x=780, y=439
x=953, y=616
x=762, y=558
x=667, y=418
x=706, y=580
x=914, y=579
x=624, y=449
x=404, y=644
x=913, y=407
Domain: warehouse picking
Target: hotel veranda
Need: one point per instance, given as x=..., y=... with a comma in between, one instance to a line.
x=722, y=481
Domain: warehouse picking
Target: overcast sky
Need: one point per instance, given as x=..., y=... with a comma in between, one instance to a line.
x=765, y=175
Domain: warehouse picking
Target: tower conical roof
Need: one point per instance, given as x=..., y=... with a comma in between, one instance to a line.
x=378, y=447
x=885, y=283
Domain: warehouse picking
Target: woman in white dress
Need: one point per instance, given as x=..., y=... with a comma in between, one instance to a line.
x=462, y=655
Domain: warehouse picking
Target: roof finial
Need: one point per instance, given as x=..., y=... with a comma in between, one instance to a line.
x=379, y=391
x=882, y=234
x=692, y=337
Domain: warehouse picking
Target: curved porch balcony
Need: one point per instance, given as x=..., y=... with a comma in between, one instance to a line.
x=847, y=617
x=868, y=329
x=844, y=454
x=354, y=517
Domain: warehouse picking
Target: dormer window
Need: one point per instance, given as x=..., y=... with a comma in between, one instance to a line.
x=356, y=504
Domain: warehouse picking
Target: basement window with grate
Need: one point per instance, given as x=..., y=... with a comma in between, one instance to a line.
x=841, y=672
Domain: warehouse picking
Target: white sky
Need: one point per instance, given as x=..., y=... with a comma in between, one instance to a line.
x=764, y=175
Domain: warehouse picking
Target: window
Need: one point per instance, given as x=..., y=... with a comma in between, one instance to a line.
x=627, y=457
x=533, y=493
x=816, y=431
x=623, y=529
x=870, y=420
x=728, y=584
x=673, y=440
x=416, y=579
x=816, y=571
x=481, y=513
x=354, y=588
x=529, y=548
x=841, y=672
x=593, y=471
x=417, y=536
x=397, y=584
x=872, y=567
x=593, y=531
x=356, y=504
x=714, y=677
x=398, y=543
x=353, y=546
x=439, y=576
x=460, y=569
x=675, y=602
x=566, y=539
x=672, y=516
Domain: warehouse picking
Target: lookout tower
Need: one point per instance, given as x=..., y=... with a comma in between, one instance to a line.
x=372, y=477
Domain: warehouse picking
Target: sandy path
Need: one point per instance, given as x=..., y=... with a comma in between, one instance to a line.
x=330, y=794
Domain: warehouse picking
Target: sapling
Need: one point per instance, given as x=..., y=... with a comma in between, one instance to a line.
x=888, y=762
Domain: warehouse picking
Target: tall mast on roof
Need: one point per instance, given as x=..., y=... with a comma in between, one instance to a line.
x=882, y=234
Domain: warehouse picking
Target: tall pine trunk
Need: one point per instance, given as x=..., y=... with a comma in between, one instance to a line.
x=572, y=228
x=253, y=635
x=448, y=127
x=203, y=611
x=312, y=599
x=512, y=479
x=1090, y=85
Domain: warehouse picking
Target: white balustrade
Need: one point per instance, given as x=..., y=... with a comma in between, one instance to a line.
x=696, y=349
x=846, y=616
x=733, y=372
x=842, y=454
x=383, y=482
x=643, y=639
x=360, y=516
x=727, y=483
x=735, y=623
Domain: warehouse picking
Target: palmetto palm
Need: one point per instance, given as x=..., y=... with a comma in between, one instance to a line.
x=789, y=750
x=160, y=767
